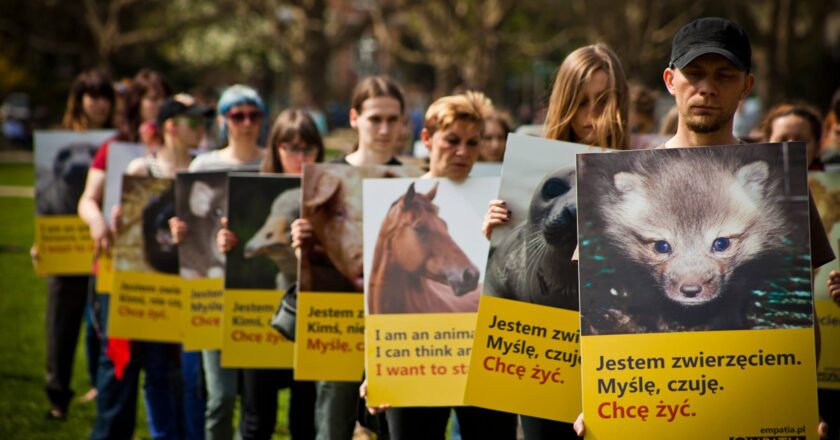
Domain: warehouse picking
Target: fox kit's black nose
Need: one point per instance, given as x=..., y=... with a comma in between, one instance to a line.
x=691, y=290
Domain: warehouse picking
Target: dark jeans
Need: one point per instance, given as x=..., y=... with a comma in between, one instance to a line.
x=535, y=428
x=66, y=297
x=430, y=423
x=829, y=401
x=116, y=401
x=259, y=404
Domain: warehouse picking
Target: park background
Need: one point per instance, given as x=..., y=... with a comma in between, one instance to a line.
x=310, y=53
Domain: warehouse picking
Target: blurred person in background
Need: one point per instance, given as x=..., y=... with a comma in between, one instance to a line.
x=795, y=122
x=497, y=126
x=830, y=148
x=294, y=141
x=116, y=400
x=642, y=116
x=240, y=116
x=90, y=106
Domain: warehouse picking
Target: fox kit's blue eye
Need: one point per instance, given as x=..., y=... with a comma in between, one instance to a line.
x=662, y=247
x=721, y=244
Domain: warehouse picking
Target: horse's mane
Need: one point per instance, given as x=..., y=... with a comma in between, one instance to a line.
x=381, y=253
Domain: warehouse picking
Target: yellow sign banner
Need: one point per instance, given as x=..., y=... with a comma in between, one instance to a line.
x=203, y=313
x=145, y=307
x=329, y=336
x=525, y=360
x=828, y=318
x=64, y=245
x=701, y=385
x=248, y=340
x=418, y=359
x=104, y=274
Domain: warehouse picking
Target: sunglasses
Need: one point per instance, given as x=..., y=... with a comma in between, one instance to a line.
x=240, y=117
x=298, y=149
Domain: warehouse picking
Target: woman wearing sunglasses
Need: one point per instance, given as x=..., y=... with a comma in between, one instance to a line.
x=240, y=117
x=294, y=141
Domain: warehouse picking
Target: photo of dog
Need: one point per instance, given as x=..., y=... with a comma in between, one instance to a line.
x=200, y=201
x=261, y=209
x=332, y=203
x=144, y=242
x=694, y=239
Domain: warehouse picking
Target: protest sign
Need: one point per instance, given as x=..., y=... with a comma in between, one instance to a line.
x=525, y=356
x=259, y=269
x=423, y=254
x=330, y=308
x=201, y=202
x=696, y=304
x=62, y=239
x=146, y=299
x=825, y=188
x=119, y=156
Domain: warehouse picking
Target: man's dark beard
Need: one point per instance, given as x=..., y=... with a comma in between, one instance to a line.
x=706, y=126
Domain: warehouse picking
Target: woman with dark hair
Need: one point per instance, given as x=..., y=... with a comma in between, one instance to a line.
x=795, y=122
x=119, y=361
x=147, y=92
x=294, y=141
x=90, y=105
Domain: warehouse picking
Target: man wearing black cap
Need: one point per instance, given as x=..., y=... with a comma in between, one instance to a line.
x=181, y=120
x=709, y=75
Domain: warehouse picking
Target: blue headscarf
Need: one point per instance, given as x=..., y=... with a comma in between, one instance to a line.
x=239, y=94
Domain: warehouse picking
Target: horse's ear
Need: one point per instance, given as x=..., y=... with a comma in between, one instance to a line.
x=432, y=192
x=408, y=199
x=325, y=187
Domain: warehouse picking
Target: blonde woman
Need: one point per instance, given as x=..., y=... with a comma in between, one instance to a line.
x=452, y=135
x=589, y=105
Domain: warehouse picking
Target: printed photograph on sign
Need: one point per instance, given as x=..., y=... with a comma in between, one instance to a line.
x=62, y=160
x=694, y=240
x=424, y=251
x=120, y=154
x=332, y=203
x=143, y=242
x=261, y=209
x=825, y=189
x=201, y=202
x=531, y=257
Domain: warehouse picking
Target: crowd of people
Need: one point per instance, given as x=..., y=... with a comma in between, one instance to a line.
x=190, y=395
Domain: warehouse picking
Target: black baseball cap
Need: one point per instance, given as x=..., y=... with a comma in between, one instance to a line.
x=182, y=105
x=711, y=35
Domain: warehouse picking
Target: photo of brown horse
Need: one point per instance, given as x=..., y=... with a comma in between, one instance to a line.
x=417, y=266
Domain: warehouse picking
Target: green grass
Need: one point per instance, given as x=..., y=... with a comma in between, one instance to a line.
x=23, y=402
x=16, y=174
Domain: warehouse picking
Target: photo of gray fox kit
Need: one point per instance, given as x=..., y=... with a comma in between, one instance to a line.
x=693, y=238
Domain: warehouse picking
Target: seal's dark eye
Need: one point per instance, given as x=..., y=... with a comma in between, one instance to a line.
x=721, y=244
x=555, y=188
x=662, y=247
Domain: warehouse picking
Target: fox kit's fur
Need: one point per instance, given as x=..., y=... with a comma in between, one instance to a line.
x=691, y=221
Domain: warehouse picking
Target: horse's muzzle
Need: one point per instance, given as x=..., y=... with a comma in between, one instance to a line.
x=464, y=282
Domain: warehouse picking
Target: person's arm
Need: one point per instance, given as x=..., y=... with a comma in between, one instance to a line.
x=91, y=213
x=497, y=214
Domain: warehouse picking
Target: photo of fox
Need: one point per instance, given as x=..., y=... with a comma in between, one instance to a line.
x=696, y=239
